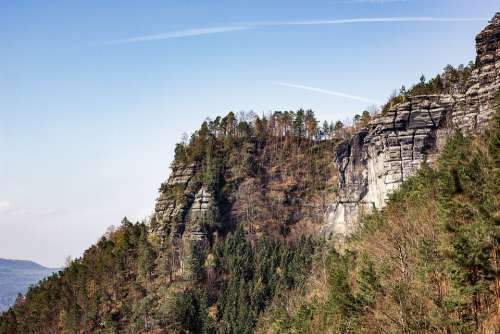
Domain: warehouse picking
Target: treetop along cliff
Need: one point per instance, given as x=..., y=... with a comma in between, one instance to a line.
x=232, y=245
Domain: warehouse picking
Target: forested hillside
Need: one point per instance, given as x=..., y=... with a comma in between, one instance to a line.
x=233, y=244
x=270, y=178
x=427, y=263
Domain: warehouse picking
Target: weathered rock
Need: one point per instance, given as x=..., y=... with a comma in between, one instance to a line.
x=182, y=212
x=201, y=204
x=176, y=197
x=200, y=215
x=392, y=147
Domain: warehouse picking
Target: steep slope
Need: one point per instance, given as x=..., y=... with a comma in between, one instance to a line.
x=232, y=229
x=393, y=146
x=269, y=176
x=427, y=263
x=16, y=276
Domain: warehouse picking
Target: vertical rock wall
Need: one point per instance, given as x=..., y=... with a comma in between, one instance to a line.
x=393, y=146
x=181, y=212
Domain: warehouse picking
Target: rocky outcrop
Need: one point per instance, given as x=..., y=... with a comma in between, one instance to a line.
x=392, y=147
x=183, y=199
x=182, y=212
x=176, y=196
x=200, y=212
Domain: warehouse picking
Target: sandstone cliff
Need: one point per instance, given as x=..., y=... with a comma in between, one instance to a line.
x=377, y=159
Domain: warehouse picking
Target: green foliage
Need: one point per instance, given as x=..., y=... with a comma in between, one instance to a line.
x=117, y=287
x=131, y=281
x=451, y=80
x=367, y=282
x=427, y=263
x=257, y=274
x=341, y=304
x=95, y=292
x=185, y=312
x=284, y=157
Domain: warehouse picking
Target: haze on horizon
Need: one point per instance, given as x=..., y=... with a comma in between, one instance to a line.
x=94, y=96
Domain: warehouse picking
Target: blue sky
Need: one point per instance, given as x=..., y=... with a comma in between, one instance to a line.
x=94, y=95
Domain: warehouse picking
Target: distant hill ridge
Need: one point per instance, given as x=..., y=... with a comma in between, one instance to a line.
x=16, y=276
x=21, y=264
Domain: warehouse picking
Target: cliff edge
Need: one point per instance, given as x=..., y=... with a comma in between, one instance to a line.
x=378, y=158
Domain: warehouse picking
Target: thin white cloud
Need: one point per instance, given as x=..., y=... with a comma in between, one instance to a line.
x=252, y=25
x=363, y=20
x=328, y=92
x=176, y=34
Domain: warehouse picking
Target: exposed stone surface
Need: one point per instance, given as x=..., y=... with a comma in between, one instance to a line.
x=176, y=196
x=181, y=212
x=392, y=147
x=182, y=199
x=200, y=212
x=201, y=204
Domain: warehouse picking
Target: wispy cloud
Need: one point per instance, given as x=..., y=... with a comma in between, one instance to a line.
x=363, y=20
x=233, y=27
x=175, y=34
x=328, y=92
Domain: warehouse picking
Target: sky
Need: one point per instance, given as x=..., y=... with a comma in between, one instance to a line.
x=95, y=94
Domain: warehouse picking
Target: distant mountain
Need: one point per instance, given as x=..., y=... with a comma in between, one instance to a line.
x=16, y=276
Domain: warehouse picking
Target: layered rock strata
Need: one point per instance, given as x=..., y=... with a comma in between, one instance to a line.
x=181, y=212
x=176, y=195
x=393, y=146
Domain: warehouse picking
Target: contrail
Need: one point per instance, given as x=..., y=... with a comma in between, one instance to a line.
x=262, y=24
x=329, y=92
x=363, y=20
x=175, y=34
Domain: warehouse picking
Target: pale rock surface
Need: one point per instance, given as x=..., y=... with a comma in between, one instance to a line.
x=393, y=146
x=181, y=212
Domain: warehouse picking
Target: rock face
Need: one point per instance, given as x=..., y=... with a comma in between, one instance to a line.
x=183, y=204
x=176, y=195
x=393, y=146
x=182, y=212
